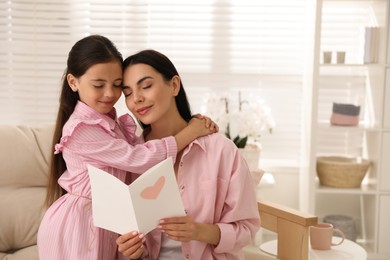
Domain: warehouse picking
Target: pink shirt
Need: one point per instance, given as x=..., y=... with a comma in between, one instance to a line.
x=67, y=230
x=216, y=188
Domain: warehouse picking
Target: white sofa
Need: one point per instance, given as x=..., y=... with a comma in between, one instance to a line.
x=24, y=164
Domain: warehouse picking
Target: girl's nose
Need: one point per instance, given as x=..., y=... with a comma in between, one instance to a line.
x=109, y=92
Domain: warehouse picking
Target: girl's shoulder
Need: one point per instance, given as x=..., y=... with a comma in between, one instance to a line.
x=78, y=126
x=85, y=123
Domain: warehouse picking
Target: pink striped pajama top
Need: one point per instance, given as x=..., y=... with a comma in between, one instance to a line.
x=88, y=137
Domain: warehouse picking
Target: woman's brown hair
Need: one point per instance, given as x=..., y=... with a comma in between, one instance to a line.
x=163, y=65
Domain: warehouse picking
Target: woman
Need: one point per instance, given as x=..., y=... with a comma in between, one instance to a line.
x=214, y=180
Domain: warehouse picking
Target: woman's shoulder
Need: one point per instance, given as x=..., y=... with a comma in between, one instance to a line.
x=219, y=141
x=215, y=137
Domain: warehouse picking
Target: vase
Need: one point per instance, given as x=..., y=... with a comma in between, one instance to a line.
x=251, y=153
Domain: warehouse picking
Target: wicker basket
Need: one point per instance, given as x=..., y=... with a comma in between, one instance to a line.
x=341, y=172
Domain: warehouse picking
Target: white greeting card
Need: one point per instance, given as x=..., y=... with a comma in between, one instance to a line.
x=139, y=206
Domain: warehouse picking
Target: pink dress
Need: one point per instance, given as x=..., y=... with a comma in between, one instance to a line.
x=67, y=230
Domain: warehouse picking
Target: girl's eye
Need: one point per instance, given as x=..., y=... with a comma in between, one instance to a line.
x=118, y=86
x=147, y=86
x=98, y=86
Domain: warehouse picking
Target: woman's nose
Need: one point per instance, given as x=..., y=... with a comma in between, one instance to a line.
x=137, y=97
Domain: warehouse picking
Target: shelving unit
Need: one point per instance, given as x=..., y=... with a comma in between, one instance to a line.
x=340, y=26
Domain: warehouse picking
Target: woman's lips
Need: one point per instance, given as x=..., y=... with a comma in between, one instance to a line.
x=142, y=111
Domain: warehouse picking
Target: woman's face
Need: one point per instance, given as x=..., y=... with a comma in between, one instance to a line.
x=100, y=86
x=148, y=96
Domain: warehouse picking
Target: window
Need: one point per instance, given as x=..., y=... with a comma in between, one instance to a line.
x=257, y=47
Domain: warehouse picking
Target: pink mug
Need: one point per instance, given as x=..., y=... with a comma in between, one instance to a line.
x=321, y=236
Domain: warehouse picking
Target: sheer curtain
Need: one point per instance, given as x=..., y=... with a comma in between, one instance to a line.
x=255, y=47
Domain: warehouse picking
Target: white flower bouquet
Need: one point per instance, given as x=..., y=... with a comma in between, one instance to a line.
x=241, y=120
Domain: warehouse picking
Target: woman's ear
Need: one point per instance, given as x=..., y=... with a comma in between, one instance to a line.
x=175, y=81
x=72, y=82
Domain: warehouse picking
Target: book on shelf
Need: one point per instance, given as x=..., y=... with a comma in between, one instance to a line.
x=122, y=208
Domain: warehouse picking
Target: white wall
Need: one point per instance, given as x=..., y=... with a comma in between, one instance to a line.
x=285, y=190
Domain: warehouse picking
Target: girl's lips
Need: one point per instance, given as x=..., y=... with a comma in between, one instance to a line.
x=143, y=110
x=107, y=103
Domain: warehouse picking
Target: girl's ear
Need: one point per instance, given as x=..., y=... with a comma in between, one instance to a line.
x=175, y=81
x=72, y=82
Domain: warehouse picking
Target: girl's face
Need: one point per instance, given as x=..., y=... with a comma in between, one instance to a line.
x=148, y=96
x=100, y=86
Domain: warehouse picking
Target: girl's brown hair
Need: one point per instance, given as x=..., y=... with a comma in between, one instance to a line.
x=85, y=53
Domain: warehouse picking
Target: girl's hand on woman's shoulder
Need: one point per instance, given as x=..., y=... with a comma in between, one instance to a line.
x=209, y=125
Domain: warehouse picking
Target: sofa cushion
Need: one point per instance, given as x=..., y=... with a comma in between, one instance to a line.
x=28, y=253
x=21, y=213
x=25, y=154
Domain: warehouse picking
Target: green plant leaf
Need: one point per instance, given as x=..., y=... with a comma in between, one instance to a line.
x=227, y=132
x=240, y=142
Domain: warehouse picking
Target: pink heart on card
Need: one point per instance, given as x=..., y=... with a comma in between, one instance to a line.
x=152, y=192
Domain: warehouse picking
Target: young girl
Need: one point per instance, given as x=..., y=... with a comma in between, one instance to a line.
x=214, y=181
x=87, y=132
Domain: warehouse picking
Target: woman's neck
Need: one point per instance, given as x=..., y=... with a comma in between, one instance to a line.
x=166, y=127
